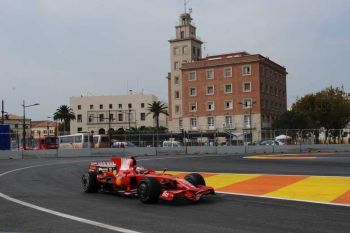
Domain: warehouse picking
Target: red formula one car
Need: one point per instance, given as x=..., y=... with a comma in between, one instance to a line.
x=121, y=175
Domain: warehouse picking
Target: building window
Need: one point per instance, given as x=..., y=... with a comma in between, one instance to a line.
x=246, y=70
x=110, y=106
x=176, y=65
x=120, y=106
x=192, y=76
x=129, y=105
x=101, y=106
x=193, y=107
x=246, y=121
x=177, y=109
x=210, y=122
x=142, y=105
x=228, y=104
x=185, y=49
x=79, y=118
x=209, y=74
x=79, y=129
x=193, y=91
x=120, y=117
x=143, y=116
x=194, y=123
x=210, y=106
x=182, y=34
x=111, y=117
x=247, y=103
x=228, y=72
x=91, y=106
x=176, y=51
x=210, y=90
x=228, y=122
x=177, y=95
x=79, y=107
x=101, y=117
x=228, y=88
x=180, y=124
x=177, y=80
x=247, y=87
x=91, y=118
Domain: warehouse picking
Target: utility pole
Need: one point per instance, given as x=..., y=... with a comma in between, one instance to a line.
x=2, y=111
x=24, y=121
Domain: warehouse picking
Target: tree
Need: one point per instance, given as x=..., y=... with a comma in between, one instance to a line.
x=329, y=108
x=292, y=120
x=64, y=113
x=156, y=108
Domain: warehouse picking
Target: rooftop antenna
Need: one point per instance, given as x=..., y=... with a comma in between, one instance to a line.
x=185, y=5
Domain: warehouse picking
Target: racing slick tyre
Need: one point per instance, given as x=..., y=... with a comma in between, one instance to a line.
x=89, y=182
x=195, y=179
x=148, y=190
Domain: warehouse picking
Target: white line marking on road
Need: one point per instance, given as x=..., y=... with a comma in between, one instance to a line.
x=59, y=214
x=71, y=217
x=283, y=199
x=115, y=228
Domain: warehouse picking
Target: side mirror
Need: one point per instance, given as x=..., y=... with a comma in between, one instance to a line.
x=164, y=170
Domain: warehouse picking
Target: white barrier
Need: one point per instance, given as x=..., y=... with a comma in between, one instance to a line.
x=190, y=150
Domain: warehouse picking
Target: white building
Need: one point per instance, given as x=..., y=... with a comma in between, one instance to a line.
x=99, y=113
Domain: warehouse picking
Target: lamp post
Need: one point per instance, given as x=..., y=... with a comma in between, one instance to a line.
x=250, y=106
x=129, y=116
x=3, y=112
x=24, y=121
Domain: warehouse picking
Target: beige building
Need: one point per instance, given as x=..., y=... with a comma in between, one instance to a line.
x=98, y=114
x=238, y=93
x=43, y=128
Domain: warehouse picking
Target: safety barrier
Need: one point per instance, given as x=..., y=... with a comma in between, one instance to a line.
x=189, y=150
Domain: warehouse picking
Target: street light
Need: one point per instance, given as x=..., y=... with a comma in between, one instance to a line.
x=24, y=121
x=249, y=104
x=2, y=112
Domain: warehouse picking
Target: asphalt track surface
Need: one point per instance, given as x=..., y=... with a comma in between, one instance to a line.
x=55, y=185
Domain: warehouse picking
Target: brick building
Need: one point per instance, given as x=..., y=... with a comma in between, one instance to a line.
x=235, y=92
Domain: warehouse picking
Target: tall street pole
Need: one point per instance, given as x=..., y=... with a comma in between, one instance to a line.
x=24, y=122
x=2, y=111
x=24, y=126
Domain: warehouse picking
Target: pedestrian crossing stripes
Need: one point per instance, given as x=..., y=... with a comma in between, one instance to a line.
x=320, y=189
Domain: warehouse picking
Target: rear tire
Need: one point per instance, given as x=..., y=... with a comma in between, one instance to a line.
x=148, y=190
x=89, y=182
x=195, y=179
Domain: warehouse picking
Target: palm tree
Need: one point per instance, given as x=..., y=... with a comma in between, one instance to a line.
x=156, y=108
x=64, y=113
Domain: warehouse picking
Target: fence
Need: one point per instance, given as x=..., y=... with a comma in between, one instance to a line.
x=214, y=142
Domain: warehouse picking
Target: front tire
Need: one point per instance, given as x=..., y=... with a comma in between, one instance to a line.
x=195, y=179
x=89, y=182
x=148, y=190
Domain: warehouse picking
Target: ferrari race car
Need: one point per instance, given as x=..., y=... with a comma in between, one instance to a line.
x=121, y=175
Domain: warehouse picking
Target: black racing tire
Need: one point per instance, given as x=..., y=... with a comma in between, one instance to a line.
x=195, y=179
x=89, y=182
x=148, y=190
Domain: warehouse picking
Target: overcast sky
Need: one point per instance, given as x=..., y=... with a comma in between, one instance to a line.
x=51, y=50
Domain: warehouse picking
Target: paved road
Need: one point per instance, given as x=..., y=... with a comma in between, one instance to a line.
x=57, y=187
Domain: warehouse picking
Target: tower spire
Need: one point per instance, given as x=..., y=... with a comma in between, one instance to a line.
x=185, y=5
